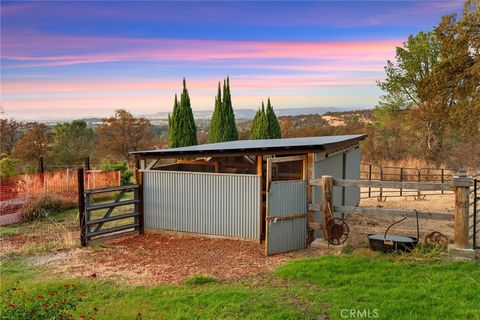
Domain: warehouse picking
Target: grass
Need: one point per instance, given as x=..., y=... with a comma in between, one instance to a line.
x=420, y=285
x=9, y=231
x=300, y=289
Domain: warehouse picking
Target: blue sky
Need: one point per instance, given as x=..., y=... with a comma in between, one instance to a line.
x=74, y=59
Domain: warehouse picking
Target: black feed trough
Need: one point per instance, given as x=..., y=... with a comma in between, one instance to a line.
x=387, y=243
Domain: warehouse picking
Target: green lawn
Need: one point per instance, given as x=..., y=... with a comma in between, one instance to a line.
x=300, y=289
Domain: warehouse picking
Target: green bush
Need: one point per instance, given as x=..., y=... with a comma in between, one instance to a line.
x=46, y=206
x=54, y=305
x=8, y=167
x=199, y=280
x=126, y=175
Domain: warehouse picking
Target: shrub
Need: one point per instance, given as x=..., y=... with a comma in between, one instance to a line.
x=59, y=304
x=46, y=206
x=126, y=176
x=8, y=167
x=199, y=280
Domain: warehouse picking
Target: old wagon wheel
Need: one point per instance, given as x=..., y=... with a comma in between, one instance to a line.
x=436, y=238
x=336, y=231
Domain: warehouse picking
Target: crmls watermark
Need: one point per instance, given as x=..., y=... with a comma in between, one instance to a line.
x=359, y=313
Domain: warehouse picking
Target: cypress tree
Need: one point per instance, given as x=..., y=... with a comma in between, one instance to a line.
x=182, y=129
x=230, y=130
x=215, y=130
x=223, y=126
x=172, y=125
x=274, y=131
x=265, y=124
x=259, y=125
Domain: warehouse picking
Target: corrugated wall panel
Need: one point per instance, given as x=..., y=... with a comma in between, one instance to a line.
x=216, y=204
x=287, y=198
x=333, y=166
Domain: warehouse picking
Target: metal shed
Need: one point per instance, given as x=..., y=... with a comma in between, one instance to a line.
x=248, y=189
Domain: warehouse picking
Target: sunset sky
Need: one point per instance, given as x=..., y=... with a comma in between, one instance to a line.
x=76, y=59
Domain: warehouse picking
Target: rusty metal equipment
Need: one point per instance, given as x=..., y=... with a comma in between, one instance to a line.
x=436, y=239
x=336, y=229
x=388, y=243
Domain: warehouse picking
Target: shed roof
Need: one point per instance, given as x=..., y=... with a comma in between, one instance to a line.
x=249, y=147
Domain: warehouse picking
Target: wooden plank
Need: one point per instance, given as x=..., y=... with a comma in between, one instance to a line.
x=315, y=226
x=288, y=159
x=394, y=212
x=288, y=217
x=151, y=164
x=384, y=184
x=262, y=206
x=391, y=184
x=111, y=189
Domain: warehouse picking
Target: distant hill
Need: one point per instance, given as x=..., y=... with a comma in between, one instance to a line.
x=246, y=114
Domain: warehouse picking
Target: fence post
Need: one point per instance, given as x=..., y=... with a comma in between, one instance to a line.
x=81, y=206
x=327, y=202
x=443, y=177
x=87, y=163
x=369, y=179
x=141, y=220
x=461, y=185
x=401, y=180
x=381, y=179
x=419, y=192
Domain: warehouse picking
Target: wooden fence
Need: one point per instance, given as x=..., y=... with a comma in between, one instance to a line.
x=459, y=185
x=372, y=172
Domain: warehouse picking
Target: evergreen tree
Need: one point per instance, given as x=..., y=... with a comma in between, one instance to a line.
x=259, y=125
x=182, y=129
x=274, y=131
x=215, y=130
x=265, y=124
x=173, y=135
x=223, y=126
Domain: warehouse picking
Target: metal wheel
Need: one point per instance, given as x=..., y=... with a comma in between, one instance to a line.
x=337, y=231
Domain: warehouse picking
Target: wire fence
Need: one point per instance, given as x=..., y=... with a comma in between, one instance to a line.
x=15, y=191
x=407, y=174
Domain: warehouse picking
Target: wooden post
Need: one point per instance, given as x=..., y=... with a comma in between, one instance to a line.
x=461, y=185
x=310, y=213
x=87, y=163
x=262, y=202
x=141, y=220
x=327, y=202
x=401, y=180
x=369, y=179
x=81, y=207
x=41, y=169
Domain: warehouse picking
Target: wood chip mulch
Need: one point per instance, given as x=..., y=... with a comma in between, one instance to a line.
x=164, y=258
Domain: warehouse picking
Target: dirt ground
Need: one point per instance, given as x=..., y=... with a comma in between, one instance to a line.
x=159, y=258
x=362, y=224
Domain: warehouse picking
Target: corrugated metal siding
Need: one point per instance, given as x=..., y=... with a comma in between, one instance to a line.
x=333, y=166
x=352, y=194
x=287, y=198
x=216, y=204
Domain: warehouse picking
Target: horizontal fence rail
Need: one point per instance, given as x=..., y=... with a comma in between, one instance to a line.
x=371, y=172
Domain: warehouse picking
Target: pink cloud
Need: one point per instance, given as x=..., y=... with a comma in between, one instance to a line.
x=43, y=50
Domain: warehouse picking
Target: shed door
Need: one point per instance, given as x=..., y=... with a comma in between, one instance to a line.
x=286, y=205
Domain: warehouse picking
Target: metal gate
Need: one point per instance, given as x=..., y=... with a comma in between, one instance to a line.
x=100, y=221
x=476, y=218
x=286, y=218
